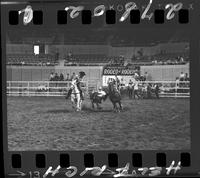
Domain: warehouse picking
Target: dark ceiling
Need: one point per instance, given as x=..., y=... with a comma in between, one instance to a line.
x=113, y=37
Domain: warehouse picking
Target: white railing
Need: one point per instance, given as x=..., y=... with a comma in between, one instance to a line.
x=60, y=88
x=42, y=88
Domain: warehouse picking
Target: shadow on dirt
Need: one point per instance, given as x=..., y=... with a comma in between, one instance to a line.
x=84, y=109
x=101, y=110
x=58, y=111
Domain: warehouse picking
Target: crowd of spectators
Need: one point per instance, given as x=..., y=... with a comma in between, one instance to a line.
x=117, y=61
x=183, y=77
x=60, y=77
x=170, y=61
x=31, y=60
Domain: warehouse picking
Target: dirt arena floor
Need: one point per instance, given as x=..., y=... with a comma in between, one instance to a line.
x=49, y=123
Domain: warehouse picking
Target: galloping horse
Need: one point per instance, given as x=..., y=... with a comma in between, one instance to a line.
x=76, y=98
x=115, y=96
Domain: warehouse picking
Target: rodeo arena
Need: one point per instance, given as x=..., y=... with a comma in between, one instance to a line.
x=71, y=91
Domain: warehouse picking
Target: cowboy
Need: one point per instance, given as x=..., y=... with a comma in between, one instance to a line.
x=136, y=89
x=148, y=91
x=76, y=81
x=130, y=88
x=157, y=90
x=81, y=75
x=101, y=93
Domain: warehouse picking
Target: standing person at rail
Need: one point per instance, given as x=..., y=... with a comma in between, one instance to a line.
x=51, y=76
x=117, y=82
x=182, y=76
x=136, y=89
x=148, y=91
x=56, y=78
x=157, y=90
x=73, y=76
x=61, y=77
x=78, y=82
x=130, y=89
x=67, y=77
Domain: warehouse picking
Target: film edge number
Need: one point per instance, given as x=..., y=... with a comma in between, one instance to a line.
x=37, y=17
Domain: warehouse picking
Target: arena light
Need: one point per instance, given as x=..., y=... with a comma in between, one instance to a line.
x=36, y=49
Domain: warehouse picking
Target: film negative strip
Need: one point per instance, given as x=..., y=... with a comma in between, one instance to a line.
x=100, y=88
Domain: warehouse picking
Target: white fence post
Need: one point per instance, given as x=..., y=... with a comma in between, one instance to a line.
x=48, y=84
x=9, y=88
x=176, y=88
x=28, y=88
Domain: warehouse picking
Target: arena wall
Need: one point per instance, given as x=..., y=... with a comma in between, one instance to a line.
x=37, y=73
x=164, y=72
x=93, y=73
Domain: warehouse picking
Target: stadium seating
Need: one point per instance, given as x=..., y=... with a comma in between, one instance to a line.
x=94, y=59
x=31, y=59
x=170, y=56
x=161, y=59
x=87, y=59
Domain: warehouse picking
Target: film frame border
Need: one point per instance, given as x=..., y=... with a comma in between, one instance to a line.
x=132, y=13
x=147, y=155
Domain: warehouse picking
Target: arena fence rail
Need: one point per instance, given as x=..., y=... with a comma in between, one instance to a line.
x=176, y=89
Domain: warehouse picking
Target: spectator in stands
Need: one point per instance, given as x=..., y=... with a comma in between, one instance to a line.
x=121, y=60
x=52, y=76
x=67, y=77
x=181, y=59
x=186, y=77
x=145, y=76
x=73, y=76
x=126, y=63
x=56, y=78
x=136, y=75
x=182, y=76
x=70, y=54
x=61, y=77
x=155, y=62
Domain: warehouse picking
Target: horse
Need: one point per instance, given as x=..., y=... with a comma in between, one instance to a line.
x=115, y=96
x=96, y=99
x=76, y=98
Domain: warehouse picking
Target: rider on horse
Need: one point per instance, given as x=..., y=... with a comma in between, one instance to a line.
x=77, y=81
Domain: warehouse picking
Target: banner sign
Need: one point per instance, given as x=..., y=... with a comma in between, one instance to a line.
x=118, y=71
